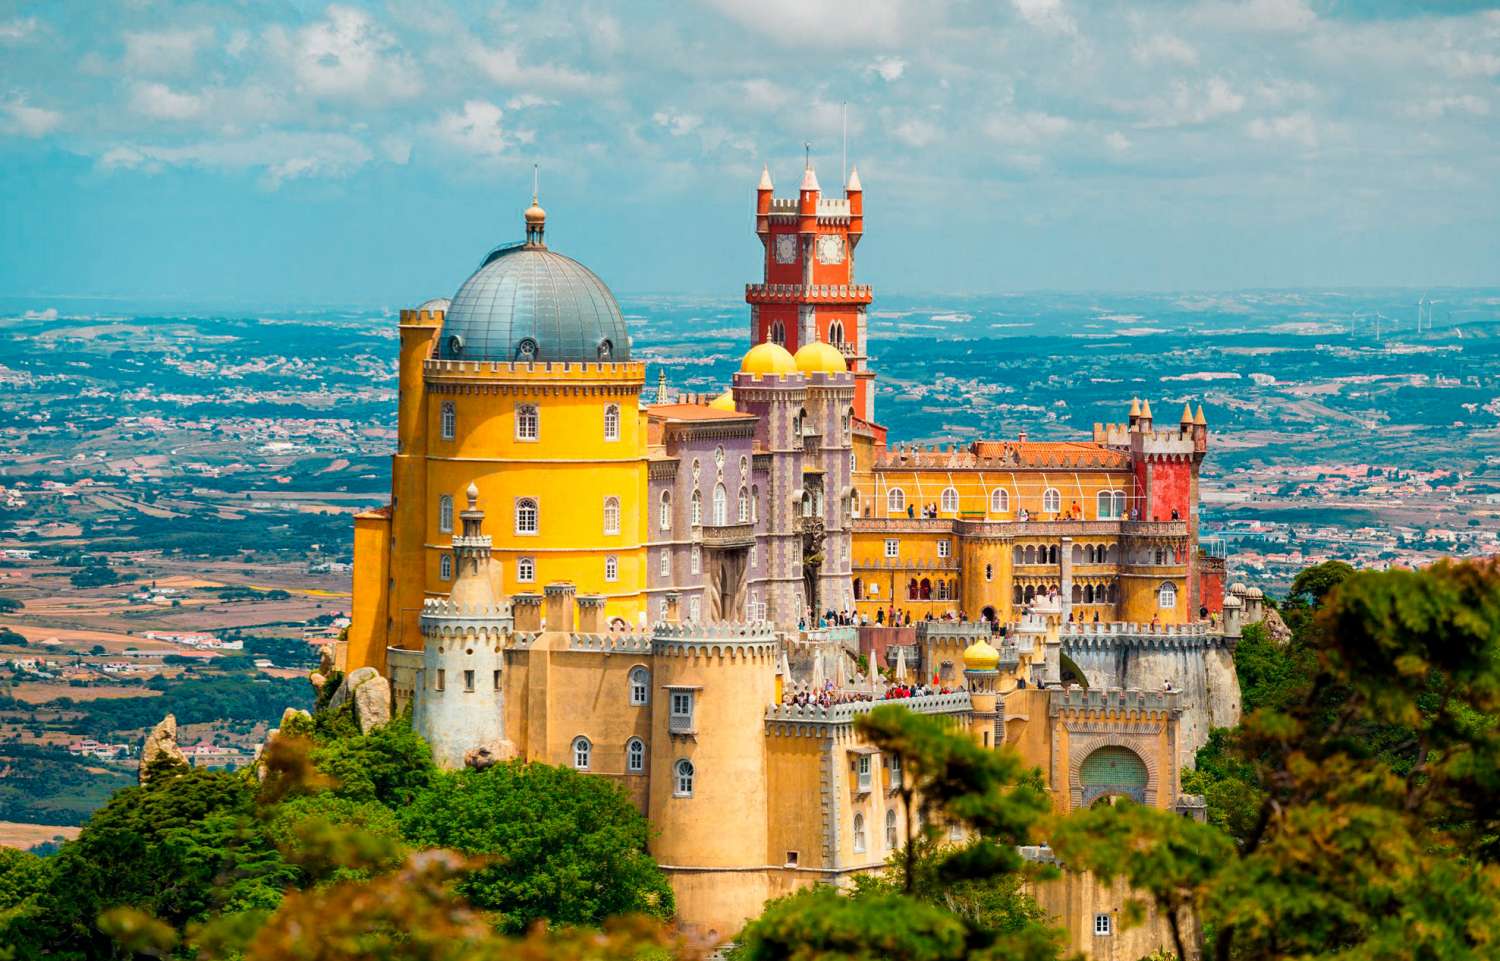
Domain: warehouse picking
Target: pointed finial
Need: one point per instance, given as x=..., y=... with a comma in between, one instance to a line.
x=854, y=185
x=473, y=495
x=1145, y=410
x=535, y=216
x=765, y=178
x=1135, y=407
x=661, y=385
x=1199, y=419
x=1187, y=414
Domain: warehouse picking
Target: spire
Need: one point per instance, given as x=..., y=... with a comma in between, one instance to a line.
x=765, y=178
x=1135, y=407
x=661, y=385
x=1199, y=419
x=809, y=179
x=1145, y=410
x=535, y=216
x=854, y=185
x=1187, y=414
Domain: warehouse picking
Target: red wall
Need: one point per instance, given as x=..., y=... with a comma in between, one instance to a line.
x=1171, y=488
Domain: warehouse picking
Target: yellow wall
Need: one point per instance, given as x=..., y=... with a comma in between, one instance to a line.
x=924, y=487
x=368, y=611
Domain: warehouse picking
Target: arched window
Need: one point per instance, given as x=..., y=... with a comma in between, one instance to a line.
x=999, y=501
x=697, y=559
x=744, y=506
x=527, y=427
x=582, y=751
x=640, y=686
x=449, y=421
x=836, y=333
x=1017, y=597
x=895, y=499
x=683, y=778
x=1030, y=554
x=635, y=755
x=1088, y=593
x=778, y=333
x=859, y=833
x=611, y=515
x=666, y=562
x=989, y=572
x=526, y=516
x=891, y=838
x=949, y=501
x=1166, y=598
x=754, y=503
x=666, y=510
x=611, y=568
x=849, y=432
x=1119, y=503
x=804, y=423
x=445, y=567
x=445, y=513
x=854, y=503
x=612, y=422
x=525, y=570
x=926, y=589
x=1018, y=556
x=1106, y=505
x=913, y=592
x=697, y=509
x=1077, y=553
x=721, y=506
x=1051, y=501
x=1077, y=594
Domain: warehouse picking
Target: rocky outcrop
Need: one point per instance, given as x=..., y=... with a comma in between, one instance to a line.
x=1276, y=629
x=371, y=695
x=160, y=743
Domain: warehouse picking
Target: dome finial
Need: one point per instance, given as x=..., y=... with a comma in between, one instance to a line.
x=536, y=217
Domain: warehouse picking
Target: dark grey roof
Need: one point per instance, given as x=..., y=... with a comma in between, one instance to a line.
x=528, y=303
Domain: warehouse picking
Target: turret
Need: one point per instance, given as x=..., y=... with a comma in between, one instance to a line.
x=459, y=701
x=763, y=201
x=1200, y=431
x=854, y=191
x=1144, y=420
x=981, y=673
x=807, y=202
x=1185, y=423
x=1135, y=411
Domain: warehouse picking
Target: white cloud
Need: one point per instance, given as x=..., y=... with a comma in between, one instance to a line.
x=763, y=94
x=889, y=69
x=916, y=132
x=475, y=129
x=1026, y=128
x=1436, y=107
x=1165, y=48
x=1463, y=63
x=49, y=314
x=525, y=101
x=155, y=52
x=833, y=24
x=1257, y=15
x=15, y=31
x=158, y=101
x=1046, y=15
x=348, y=56
x=677, y=124
x=22, y=119
x=503, y=66
x=1189, y=105
x=281, y=156
x=1117, y=142
x=1296, y=127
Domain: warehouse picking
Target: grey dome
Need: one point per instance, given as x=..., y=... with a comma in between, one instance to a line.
x=528, y=303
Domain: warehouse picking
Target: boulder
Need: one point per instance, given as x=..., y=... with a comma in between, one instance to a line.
x=372, y=703
x=480, y=758
x=161, y=742
x=1276, y=629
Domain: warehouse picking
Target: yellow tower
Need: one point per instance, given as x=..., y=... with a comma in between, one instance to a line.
x=522, y=386
x=981, y=672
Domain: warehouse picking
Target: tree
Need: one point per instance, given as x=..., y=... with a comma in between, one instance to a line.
x=1367, y=805
x=1312, y=584
x=565, y=847
x=391, y=764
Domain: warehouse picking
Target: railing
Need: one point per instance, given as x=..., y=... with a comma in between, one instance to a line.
x=1032, y=527
x=728, y=535
x=1077, y=698
x=680, y=724
x=956, y=702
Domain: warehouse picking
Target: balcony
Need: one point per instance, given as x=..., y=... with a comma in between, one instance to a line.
x=728, y=536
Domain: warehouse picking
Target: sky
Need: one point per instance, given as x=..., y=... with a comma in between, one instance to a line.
x=287, y=152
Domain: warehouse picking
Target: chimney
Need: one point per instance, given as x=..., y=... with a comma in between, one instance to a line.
x=526, y=610
x=560, y=596
x=590, y=614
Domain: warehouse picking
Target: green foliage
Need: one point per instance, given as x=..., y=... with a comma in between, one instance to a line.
x=391, y=764
x=99, y=575
x=1313, y=584
x=567, y=847
x=9, y=605
x=44, y=784
x=194, y=700
x=8, y=636
x=334, y=839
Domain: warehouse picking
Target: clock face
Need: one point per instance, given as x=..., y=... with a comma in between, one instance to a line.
x=786, y=249
x=831, y=249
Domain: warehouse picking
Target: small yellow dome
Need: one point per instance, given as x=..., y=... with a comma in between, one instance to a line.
x=768, y=358
x=724, y=401
x=818, y=357
x=981, y=656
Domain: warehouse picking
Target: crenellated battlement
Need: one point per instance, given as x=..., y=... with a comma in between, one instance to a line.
x=620, y=643
x=1074, y=699
x=412, y=317
x=809, y=294
x=439, y=372
x=955, y=702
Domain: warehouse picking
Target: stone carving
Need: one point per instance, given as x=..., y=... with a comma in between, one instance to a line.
x=161, y=742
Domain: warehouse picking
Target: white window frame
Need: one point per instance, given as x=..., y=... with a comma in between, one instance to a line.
x=445, y=514
x=611, y=515
x=1104, y=925
x=948, y=500
x=683, y=773
x=859, y=832
x=1051, y=501
x=999, y=501
x=448, y=421
x=611, y=568
x=945, y=548
x=1119, y=503
x=721, y=505
x=754, y=556
x=695, y=560
x=695, y=609
x=528, y=422
x=697, y=509
x=1166, y=596
x=523, y=528
x=635, y=756
x=744, y=506
x=664, y=521
x=640, y=686
x=865, y=773
x=892, y=547
x=612, y=422
x=526, y=570
x=682, y=706
x=665, y=563
x=445, y=567
x=895, y=500
x=583, y=753
x=892, y=834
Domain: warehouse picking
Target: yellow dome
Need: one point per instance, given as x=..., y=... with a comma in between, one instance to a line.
x=768, y=358
x=818, y=357
x=724, y=401
x=981, y=656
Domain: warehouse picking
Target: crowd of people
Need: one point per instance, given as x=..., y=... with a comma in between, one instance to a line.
x=828, y=695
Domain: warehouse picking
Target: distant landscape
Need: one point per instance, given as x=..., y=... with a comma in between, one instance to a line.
x=176, y=493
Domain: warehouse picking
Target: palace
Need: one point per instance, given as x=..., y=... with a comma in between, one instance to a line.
x=673, y=594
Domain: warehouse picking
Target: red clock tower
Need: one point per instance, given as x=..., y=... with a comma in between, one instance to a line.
x=808, y=292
